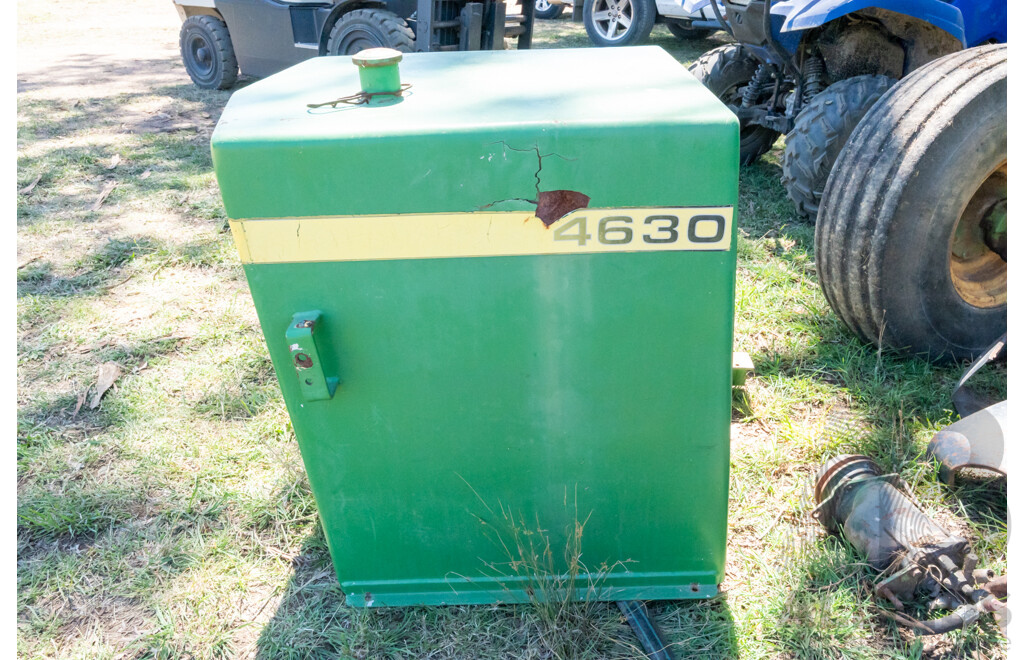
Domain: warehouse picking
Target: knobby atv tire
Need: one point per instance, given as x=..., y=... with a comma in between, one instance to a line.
x=370, y=28
x=215, y=67
x=820, y=131
x=915, y=167
x=725, y=71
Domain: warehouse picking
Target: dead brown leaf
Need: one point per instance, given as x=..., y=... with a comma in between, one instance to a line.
x=145, y=175
x=114, y=162
x=108, y=373
x=81, y=400
x=107, y=189
x=30, y=187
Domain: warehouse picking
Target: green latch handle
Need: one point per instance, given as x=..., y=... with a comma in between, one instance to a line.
x=301, y=337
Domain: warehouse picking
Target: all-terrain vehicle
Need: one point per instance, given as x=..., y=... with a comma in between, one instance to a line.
x=219, y=38
x=812, y=68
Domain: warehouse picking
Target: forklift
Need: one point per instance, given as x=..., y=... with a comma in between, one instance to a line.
x=222, y=38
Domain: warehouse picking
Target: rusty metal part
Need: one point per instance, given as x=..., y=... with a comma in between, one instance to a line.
x=913, y=553
x=976, y=442
x=553, y=205
x=361, y=98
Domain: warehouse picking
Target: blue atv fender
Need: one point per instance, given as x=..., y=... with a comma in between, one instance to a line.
x=802, y=15
x=971, y=22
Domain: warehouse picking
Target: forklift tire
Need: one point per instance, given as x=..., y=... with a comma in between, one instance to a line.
x=548, y=10
x=207, y=53
x=600, y=18
x=911, y=237
x=819, y=133
x=725, y=71
x=370, y=28
x=685, y=32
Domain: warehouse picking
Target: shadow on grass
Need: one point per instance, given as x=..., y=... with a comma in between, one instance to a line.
x=312, y=621
x=96, y=269
x=159, y=131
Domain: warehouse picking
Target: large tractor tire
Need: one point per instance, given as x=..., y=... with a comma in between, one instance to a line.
x=207, y=52
x=725, y=71
x=360, y=29
x=821, y=129
x=618, y=22
x=911, y=236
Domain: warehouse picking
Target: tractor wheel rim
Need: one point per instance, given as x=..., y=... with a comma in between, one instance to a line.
x=613, y=18
x=977, y=252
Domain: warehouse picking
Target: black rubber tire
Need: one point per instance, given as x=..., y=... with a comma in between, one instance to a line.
x=641, y=13
x=933, y=143
x=369, y=28
x=725, y=71
x=820, y=131
x=685, y=32
x=207, y=53
x=551, y=11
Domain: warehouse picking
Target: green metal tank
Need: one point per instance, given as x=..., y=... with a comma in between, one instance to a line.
x=500, y=307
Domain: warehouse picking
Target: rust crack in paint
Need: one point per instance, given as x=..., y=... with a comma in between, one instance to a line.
x=552, y=205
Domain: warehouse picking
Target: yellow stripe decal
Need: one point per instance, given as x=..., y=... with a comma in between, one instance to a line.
x=480, y=234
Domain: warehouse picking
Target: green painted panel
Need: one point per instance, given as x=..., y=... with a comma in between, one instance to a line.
x=555, y=388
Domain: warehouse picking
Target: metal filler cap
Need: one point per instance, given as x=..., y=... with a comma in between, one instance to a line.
x=378, y=70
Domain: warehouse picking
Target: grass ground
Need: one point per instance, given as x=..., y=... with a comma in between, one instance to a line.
x=175, y=520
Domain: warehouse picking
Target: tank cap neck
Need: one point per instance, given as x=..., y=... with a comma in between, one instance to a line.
x=378, y=70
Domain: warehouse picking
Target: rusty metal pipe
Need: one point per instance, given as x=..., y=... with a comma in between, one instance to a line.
x=912, y=551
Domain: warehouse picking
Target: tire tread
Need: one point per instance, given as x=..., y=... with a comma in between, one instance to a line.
x=878, y=163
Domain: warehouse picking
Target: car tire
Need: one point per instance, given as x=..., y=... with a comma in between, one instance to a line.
x=819, y=133
x=207, y=52
x=369, y=28
x=547, y=10
x=908, y=244
x=618, y=22
x=686, y=32
x=725, y=71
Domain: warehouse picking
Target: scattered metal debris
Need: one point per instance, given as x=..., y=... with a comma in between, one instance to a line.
x=914, y=554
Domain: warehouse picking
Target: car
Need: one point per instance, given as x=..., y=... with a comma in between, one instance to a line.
x=628, y=22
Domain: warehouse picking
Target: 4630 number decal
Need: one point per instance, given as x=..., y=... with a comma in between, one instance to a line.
x=643, y=229
x=482, y=234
